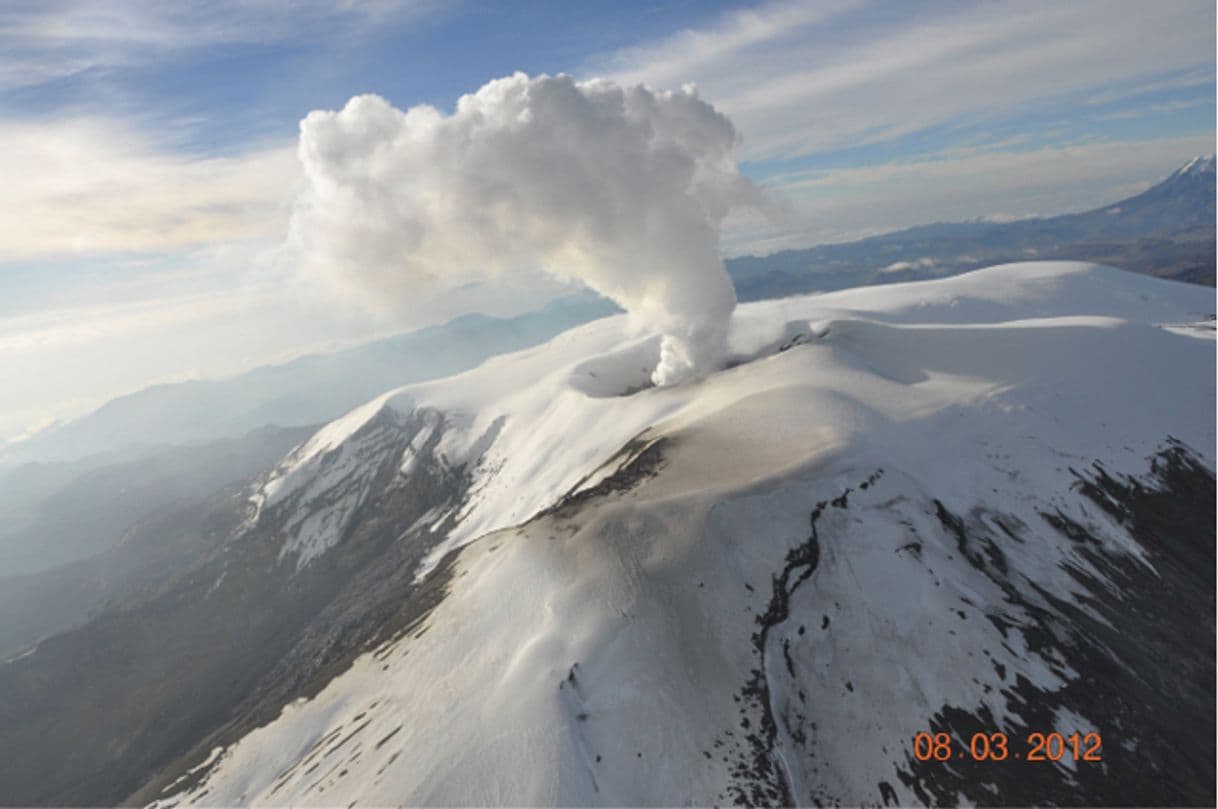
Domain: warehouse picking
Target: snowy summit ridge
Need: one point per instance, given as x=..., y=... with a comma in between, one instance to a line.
x=897, y=506
x=1203, y=164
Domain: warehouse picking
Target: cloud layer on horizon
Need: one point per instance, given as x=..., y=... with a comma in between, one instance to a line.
x=88, y=186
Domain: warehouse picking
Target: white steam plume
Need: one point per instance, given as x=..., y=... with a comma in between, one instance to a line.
x=622, y=188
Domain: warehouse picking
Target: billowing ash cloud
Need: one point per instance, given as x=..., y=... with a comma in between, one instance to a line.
x=622, y=188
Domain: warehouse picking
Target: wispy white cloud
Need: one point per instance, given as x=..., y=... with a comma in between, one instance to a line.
x=1189, y=78
x=799, y=78
x=802, y=80
x=86, y=185
x=693, y=52
x=1156, y=109
x=45, y=40
x=77, y=325
x=1071, y=163
x=106, y=176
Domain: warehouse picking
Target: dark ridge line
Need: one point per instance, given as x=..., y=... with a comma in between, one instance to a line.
x=638, y=459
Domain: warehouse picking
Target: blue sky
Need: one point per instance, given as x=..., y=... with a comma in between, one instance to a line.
x=148, y=147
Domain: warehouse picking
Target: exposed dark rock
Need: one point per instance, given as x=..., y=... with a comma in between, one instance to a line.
x=1145, y=672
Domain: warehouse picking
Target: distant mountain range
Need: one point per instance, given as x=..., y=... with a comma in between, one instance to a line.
x=309, y=390
x=1166, y=231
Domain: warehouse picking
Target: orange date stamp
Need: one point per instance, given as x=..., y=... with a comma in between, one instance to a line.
x=999, y=747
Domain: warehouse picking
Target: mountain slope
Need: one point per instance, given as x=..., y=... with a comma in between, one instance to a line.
x=944, y=506
x=122, y=525
x=54, y=514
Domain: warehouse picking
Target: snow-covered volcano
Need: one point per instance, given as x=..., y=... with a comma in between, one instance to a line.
x=977, y=504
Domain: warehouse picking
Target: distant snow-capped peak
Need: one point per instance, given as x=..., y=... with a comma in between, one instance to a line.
x=1202, y=164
